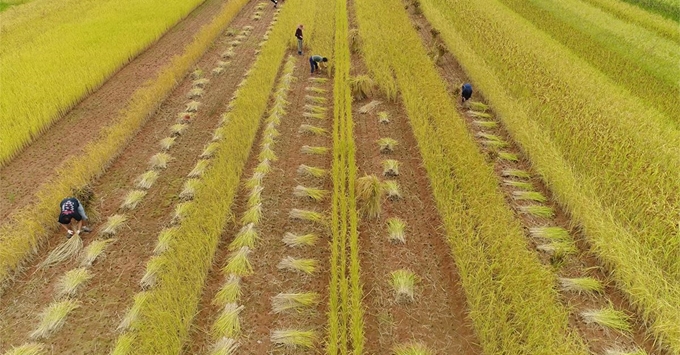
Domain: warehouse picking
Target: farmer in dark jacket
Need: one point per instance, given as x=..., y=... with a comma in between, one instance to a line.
x=314, y=62
x=72, y=211
x=298, y=35
x=466, y=92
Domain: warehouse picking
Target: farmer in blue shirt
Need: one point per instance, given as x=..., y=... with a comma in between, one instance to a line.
x=466, y=92
x=314, y=62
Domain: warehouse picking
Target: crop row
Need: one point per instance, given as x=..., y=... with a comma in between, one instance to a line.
x=618, y=48
x=612, y=168
x=54, y=62
x=512, y=302
x=21, y=237
x=651, y=21
x=169, y=308
x=626, y=155
x=346, y=324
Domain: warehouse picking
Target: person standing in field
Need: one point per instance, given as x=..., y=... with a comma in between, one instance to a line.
x=72, y=211
x=275, y=3
x=298, y=35
x=315, y=60
x=466, y=92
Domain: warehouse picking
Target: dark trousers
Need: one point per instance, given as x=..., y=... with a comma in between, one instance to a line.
x=313, y=64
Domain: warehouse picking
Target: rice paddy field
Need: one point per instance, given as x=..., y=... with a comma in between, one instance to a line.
x=241, y=205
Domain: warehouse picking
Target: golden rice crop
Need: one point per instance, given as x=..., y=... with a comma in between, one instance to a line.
x=71, y=281
x=230, y=291
x=294, y=240
x=610, y=187
x=94, y=250
x=228, y=323
x=224, y=346
x=403, y=282
x=132, y=315
x=132, y=199
x=469, y=199
x=294, y=338
x=147, y=179
x=27, y=349
x=609, y=318
x=43, y=55
x=53, y=317
x=370, y=192
x=246, y=237
x=307, y=266
x=294, y=301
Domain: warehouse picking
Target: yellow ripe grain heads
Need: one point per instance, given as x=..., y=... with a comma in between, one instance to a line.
x=608, y=318
x=192, y=106
x=224, y=346
x=403, y=282
x=267, y=154
x=228, y=54
x=294, y=240
x=313, y=130
x=478, y=106
x=362, y=87
x=508, y=156
x=255, y=196
x=527, y=186
x=147, y=179
x=395, y=230
x=318, y=116
x=228, y=324
x=315, y=99
x=581, y=285
x=53, y=317
x=197, y=73
x=307, y=266
x=294, y=301
x=218, y=70
x=369, y=194
x=167, y=143
x=132, y=199
x=390, y=167
x=195, y=93
x=246, y=237
x=230, y=291
x=310, y=192
x=252, y=215
x=113, y=225
x=132, y=315
x=293, y=338
x=199, y=169
x=383, y=117
x=210, y=150
x=369, y=107
x=391, y=188
x=63, y=252
x=306, y=170
x=625, y=352
x=264, y=167
x=153, y=268
x=94, y=250
x=387, y=145
x=165, y=238
x=254, y=181
x=160, y=160
x=307, y=215
x=71, y=281
x=479, y=114
x=538, y=211
x=315, y=108
x=27, y=349
x=181, y=210
x=412, y=349
x=529, y=196
x=485, y=124
x=200, y=83
x=238, y=263
x=189, y=189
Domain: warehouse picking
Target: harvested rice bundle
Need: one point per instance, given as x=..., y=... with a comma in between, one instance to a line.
x=287, y=301
x=294, y=338
x=387, y=145
x=311, y=193
x=314, y=150
x=94, y=250
x=390, y=167
x=608, y=318
x=165, y=237
x=167, y=143
x=210, y=150
x=311, y=171
x=314, y=130
x=362, y=87
x=581, y=285
x=147, y=179
x=403, y=282
x=53, y=318
x=383, y=117
x=189, y=189
x=132, y=314
x=238, y=263
x=199, y=169
x=178, y=129
x=224, y=346
x=230, y=291
x=306, y=215
x=113, y=225
x=252, y=215
x=200, y=83
x=228, y=323
x=246, y=237
x=160, y=160
x=132, y=199
x=195, y=93
x=369, y=195
x=192, y=106
x=412, y=349
x=307, y=266
x=68, y=285
x=63, y=252
x=294, y=240
x=27, y=349
x=153, y=268
x=395, y=230
x=392, y=190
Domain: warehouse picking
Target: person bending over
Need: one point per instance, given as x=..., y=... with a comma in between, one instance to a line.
x=315, y=60
x=466, y=92
x=72, y=211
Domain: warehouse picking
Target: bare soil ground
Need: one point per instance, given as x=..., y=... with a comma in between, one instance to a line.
x=582, y=264
x=257, y=319
x=104, y=300
x=21, y=178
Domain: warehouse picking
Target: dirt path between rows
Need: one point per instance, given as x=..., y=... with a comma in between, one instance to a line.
x=34, y=166
x=257, y=318
x=105, y=299
x=583, y=263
